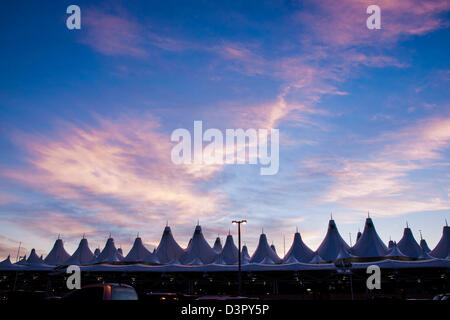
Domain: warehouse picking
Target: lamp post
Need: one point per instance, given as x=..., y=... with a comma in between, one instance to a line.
x=239, y=222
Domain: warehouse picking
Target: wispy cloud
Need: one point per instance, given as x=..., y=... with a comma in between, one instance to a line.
x=119, y=172
x=381, y=182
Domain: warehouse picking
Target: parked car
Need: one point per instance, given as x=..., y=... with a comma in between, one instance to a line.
x=442, y=297
x=101, y=292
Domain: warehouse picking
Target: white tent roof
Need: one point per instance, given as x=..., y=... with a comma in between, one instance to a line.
x=408, y=245
x=6, y=262
x=152, y=257
x=291, y=259
x=264, y=251
x=442, y=249
x=343, y=254
x=109, y=253
x=34, y=259
x=299, y=250
x=317, y=259
x=168, y=249
x=332, y=243
x=369, y=244
x=395, y=251
x=22, y=261
x=58, y=255
x=244, y=252
x=390, y=244
x=217, y=245
x=267, y=260
x=195, y=261
x=138, y=252
x=424, y=246
x=83, y=254
x=199, y=249
x=229, y=254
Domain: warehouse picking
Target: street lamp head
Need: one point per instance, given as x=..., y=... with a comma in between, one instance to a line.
x=234, y=222
x=244, y=221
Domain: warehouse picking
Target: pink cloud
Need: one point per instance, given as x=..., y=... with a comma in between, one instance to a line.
x=344, y=24
x=381, y=182
x=116, y=33
x=127, y=160
x=113, y=35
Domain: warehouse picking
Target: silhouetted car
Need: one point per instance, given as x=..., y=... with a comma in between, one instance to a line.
x=101, y=292
x=442, y=297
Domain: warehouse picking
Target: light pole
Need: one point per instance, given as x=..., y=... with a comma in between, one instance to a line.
x=239, y=222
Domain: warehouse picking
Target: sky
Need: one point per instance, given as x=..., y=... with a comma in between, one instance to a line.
x=86, y=118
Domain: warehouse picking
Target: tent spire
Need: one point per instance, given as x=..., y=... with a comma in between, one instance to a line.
x=407, y=224
x=331, y=215
x=446, y=223
x=296, y=229
x=420, y=231
x=350, y=236
x=198, y=222
x=137, y=235
x=167, y=223
x=59, y=236
x=84, y=235
x=110, y=234
x=368, y=214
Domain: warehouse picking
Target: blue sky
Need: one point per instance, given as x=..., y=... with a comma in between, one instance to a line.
x=86, y=117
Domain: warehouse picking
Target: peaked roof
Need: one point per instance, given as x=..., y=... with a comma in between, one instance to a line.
x=22, y=261
x=291, y=259
x=424, y=246
x=244, y=252
x=442, y=249
x=264, y=251
x=168, y=249
x=58, y=255
x=390, y=244
x=198, y=249
x=217, y=245
x=109, y=253
x=245, y=257
x=152, y=258
x=97, y=252
x=299, y=250
x=408, y=245
x=267, y=260
x=332, y=243
x=317, y=259
x=6, y=262
x=395, y=252
x=369, y=244
x=229, y=254
x=33, y=258
x=83, y=254
x=272, y=246
x=138, y=252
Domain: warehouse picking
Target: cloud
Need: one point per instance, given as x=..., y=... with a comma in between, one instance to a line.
x=344, y=24
x=117, y=33
x=382, y=181
x=116, y=172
